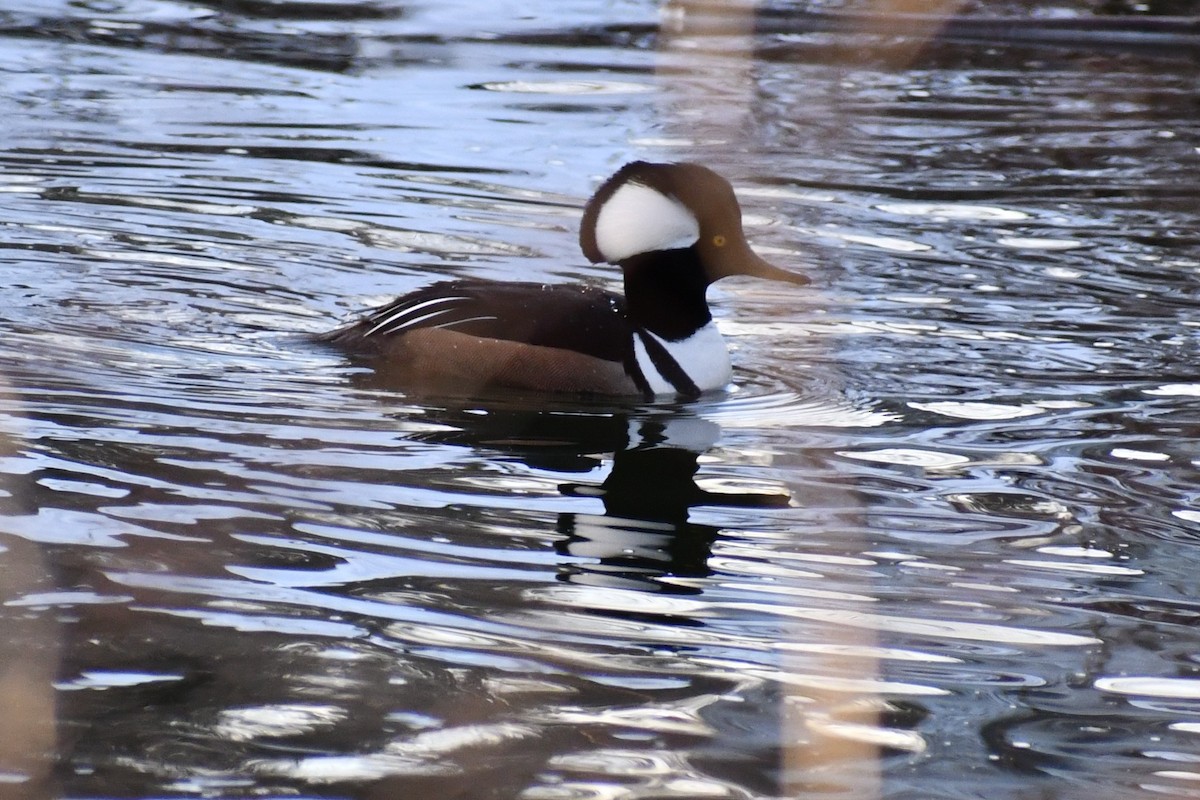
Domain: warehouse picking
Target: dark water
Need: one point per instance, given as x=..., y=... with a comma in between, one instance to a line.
x=942, y=542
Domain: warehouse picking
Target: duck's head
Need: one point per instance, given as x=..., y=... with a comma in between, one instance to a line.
x=646, y=208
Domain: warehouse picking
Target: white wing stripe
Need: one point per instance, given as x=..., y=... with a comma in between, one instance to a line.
x=396, y=318
x=409, y=323
x=461, y=321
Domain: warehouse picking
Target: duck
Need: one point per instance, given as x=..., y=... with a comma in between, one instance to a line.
x=673, y=229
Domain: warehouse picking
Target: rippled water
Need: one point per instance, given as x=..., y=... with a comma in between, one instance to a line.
x=940, y=543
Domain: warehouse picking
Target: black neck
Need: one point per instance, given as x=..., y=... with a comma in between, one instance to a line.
x=664, y=292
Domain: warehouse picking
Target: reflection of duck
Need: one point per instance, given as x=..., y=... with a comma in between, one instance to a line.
x=672, y=228
x=645, y=533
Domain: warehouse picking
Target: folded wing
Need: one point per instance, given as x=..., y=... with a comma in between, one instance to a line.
x=585, y=319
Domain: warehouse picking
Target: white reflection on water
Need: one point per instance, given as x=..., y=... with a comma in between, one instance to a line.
x=1176, y=390
x=958, y=211
x=827, y=683
x=425, y=754
x=1132, y=454
x=567, y=87
x=927, y=459
x=96, y=679
x=784, y=409
x=876, y=736
x=867, y=651
x=1067, y=566
x=1149, y=686
x=1038, y=243
x=979, y=410
x=937, y=628
x=647, y=719
x=295, y=719
x=889, y=243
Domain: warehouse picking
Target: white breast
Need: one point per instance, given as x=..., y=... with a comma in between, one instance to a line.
x=703, y=356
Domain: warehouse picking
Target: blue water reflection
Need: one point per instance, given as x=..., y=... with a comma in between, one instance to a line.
x=938, y=542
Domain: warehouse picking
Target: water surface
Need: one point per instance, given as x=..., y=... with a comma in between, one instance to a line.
x=939, y=543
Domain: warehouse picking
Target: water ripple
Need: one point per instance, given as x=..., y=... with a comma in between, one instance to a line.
x=940, y=538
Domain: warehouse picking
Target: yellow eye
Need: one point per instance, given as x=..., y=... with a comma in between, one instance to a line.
x=718, y=241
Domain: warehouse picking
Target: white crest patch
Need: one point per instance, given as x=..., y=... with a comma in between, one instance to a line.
x=637, y=219
x=703, y=356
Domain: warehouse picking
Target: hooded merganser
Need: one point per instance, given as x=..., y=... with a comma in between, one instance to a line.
x=672, y=228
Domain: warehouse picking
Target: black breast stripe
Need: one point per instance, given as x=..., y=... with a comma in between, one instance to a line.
x=634, y=370
x=667, y=366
